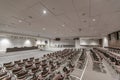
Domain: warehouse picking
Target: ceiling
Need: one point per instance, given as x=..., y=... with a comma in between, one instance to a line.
x=63, y=18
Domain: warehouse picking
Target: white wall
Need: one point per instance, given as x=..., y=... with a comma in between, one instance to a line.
x=7, y=42
x=84, y=41
x=105, y=42
x=10, y=42
x=54, y=43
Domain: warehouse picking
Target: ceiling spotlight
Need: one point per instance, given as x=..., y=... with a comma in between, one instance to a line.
x=44, y=28
x=44, y=11
x=20, y=21
x=63, y=25
x=94, y=20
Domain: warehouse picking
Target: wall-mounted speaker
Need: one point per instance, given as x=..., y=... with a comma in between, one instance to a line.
x=76, y=38
x=57, y=39
x=46, y=42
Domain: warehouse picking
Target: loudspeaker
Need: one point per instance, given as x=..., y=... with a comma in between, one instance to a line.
x=46, y=42
x=57, y=39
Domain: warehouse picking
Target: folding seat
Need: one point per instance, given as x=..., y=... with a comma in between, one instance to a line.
x=71, y=66
x=7, y=64
x=22, y=75
x=28, y=66
x=8, y=78
x=16, y=62
x=52, y=68
x=58, y=76
x=44, y=73
x=37, y=60
x=29, y=62
x=3, y=75
x=25, y=60
x=17, y=70
x=35, y=70
x=44, y=64
x=21, y=64
x=32, y=58
x=38, y=64
x=57, y=64
x=10, y=67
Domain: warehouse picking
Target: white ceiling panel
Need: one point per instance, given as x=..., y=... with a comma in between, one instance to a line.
x=63, y=18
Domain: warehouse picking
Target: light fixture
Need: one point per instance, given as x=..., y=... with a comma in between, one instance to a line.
x=93, y=19
x=44, y=11
x=44, y=28
x=20, y=21
x=63, y=25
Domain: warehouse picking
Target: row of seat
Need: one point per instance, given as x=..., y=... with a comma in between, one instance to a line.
x=82, y=59
x=95, y=56
x=97, y=61
x=115, y=63
x=36, y=68
x=114, y=49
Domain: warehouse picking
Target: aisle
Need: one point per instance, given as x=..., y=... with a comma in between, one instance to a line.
x=90, y=74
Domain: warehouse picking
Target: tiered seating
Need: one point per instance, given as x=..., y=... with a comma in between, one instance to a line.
x=114, y=49
x=95, y=57
x=4, y=74
x=97, y=61
x=40, y=68
x=82, y=59
x=111, y=59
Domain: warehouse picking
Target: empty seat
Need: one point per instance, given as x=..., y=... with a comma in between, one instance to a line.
x=22, y=75
x=16, y=62
x=17, y=70
x=32, y=58
x=3, y=75
x=6, y=64
x=29, y=66
x=25, y=60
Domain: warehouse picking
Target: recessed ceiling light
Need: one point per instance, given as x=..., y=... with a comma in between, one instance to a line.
x=63, y=25
x=44, y=28
x=94, y=19
x=44, y=11
x=20, y=21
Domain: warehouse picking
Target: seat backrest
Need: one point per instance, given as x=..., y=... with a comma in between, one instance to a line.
x=17, y=70
x=16, y=62
x=22, y=75
x=3, y=74
x=6, y=64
